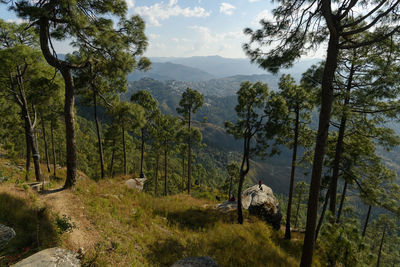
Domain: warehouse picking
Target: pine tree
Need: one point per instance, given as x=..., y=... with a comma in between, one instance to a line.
x=190, y=102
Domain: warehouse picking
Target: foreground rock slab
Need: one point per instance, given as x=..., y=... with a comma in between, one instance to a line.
x=204, y=261
x=52, y=257
x=6, y=234
x=136, y=183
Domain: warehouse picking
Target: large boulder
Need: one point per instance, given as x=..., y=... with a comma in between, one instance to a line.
x=51, y=257
x=263, y=203
x=136, y=183
x=204, y=261
x=6, y=234
x=260, y=202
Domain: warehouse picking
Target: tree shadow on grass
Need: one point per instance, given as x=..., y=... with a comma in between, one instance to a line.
x=34, y=228
x=165, y=252
x=195, y=219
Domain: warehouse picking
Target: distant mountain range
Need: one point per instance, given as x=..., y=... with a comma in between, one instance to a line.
x=223, y=67
x=215, y=75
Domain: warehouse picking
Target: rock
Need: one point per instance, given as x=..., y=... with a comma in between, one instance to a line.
x=136, y=183
x=52, y=257
x=227, y=206
x=263, y=204
x=6, y=234
x=204, y=261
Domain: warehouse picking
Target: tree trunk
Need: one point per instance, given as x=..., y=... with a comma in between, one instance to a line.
x=189, y=155
x=100, y=145
x=339, y=144
x=65, y=70
x=380, y=247
x=183, y=173
x=46, y=150
x=320, y=144
x=294, y=158
x=165, y=167
x=70, y=128
x=141, y=155
x=28, y=152
x=29, y=125
x=112, y=160
x=156, y=176
x=124, y=149
x=244, y=169
x=366, y=221
x=341, y=202
x=230, y=188
x=321, y=218
x=53, y=148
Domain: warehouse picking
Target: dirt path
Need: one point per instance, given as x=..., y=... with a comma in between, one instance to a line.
x=65, y=202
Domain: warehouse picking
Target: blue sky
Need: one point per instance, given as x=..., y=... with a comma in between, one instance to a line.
x=183, y=28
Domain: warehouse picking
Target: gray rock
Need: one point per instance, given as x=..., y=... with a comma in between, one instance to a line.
x=136, y=183
x=204, y=261
x=227, y=206
x=6, y=234
x=263, y=203
x=51, y=257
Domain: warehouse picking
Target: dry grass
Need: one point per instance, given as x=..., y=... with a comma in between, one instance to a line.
x=118, y=226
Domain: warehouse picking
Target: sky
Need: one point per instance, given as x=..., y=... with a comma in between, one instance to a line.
x=185, y=28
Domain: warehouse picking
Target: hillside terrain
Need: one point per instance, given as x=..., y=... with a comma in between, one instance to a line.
x=118, y=226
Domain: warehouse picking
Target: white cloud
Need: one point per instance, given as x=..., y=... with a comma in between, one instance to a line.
x=226, y=8
x=17, y=21
x=265, y=14
x=162, y=11
x=130, y=3
x=252, y=1
x=153, y=36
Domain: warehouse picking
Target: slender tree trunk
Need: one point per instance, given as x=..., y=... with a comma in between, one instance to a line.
x=69, y=100
x=29, y=125
x=321, y=217
x=70, y=128
x=366, y=221
x=298, y=209
x=28, y=152
x=320, y=144
x=230, y=188
x=165, y=167
x=46, y=150
x=341, y=202
x=183, y=173
x=380, y=247
x=100, y=145
x=124, y=149
x=53, y=148
x=141, y=156
x=294, y=158
x=156, y=176
x=339, y=144
x=244, y=169
x=112, y=160
x=189, y=154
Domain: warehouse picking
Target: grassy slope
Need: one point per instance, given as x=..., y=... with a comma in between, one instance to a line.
x=136, y=229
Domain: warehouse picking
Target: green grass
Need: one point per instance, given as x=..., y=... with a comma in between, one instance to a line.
x=140, y=230
x=34, y=226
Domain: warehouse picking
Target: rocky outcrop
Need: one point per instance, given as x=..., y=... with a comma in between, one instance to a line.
x=52, y=257
x=260, y=202
x=263, y=203
x=204, y=261
x=6, y=234
x=136, y=183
